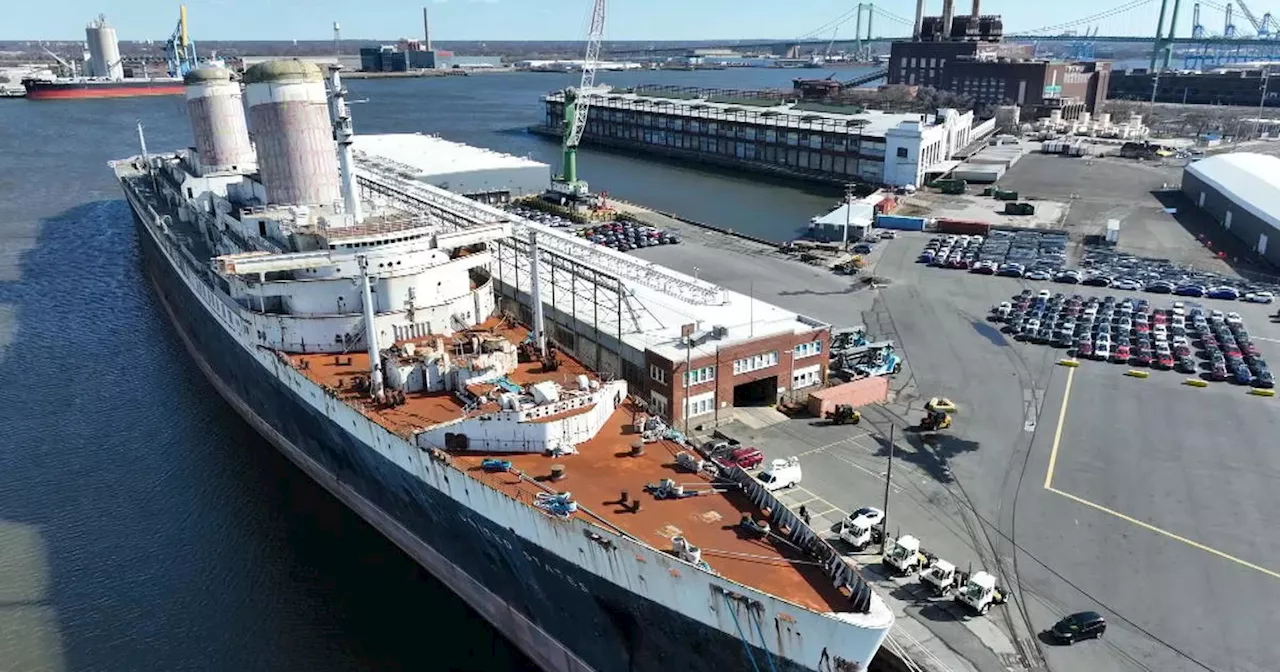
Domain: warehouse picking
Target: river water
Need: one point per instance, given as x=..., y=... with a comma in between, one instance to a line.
x=143, y=526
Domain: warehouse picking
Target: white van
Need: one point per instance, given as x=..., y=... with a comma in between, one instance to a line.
x=781, y=474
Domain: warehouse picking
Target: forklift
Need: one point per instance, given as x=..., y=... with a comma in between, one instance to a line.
x=935, y=420
x=844, y=414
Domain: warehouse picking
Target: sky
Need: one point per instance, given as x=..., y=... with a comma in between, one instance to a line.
x=546, y=19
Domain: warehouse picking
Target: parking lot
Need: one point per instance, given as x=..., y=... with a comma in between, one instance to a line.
x=1081, y=488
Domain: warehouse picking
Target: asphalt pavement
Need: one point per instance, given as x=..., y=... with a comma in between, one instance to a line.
x=1156, y=510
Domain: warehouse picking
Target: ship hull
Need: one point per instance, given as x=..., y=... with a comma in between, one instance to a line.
x=560, y=615
x=81, y=90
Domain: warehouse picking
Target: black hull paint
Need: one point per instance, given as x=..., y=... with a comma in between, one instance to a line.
x=603, y=625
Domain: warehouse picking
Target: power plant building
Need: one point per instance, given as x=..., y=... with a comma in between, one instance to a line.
x=822, y=143
x=965, y=55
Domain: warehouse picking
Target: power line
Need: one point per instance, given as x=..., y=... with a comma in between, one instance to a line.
x=1133, y=4
x=828, y=26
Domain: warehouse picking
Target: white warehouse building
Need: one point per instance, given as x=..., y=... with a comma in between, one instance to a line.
x=1240, y=191
x=482, y=174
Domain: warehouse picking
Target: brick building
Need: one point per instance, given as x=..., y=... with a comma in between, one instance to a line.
x=998, y=74
x=718, y=377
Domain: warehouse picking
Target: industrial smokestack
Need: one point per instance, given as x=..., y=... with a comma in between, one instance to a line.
x=426, y=30
x=977, y=8
x=915, y=35
x=948, y=15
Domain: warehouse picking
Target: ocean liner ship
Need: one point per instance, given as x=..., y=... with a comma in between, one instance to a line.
x=366, y=338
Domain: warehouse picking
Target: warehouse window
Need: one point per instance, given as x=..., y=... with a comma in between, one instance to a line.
x=705, y=374
x=806, y=377
x=902, y=152
x=700, y=404
x=808, y=349
x=657, y=373
x=755, y=363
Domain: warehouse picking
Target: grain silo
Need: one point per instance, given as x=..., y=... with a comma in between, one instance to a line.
x=104, y=49
x=289, y=115
x=216, y=108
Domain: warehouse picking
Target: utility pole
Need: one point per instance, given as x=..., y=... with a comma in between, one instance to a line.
x=888, y=478
x=848, y=216
x=1262, y=102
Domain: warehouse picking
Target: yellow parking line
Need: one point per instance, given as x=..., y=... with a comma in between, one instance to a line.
x=1175, y=537
x=1048, y=485
x=1057, y=434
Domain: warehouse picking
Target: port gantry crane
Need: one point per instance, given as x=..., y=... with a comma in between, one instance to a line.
x=180, y=51
x=577, y=102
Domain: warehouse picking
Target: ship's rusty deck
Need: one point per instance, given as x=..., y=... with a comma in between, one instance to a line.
x=603, y=468
x=424, y=409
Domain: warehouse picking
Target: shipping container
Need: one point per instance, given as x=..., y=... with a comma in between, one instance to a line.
x=873, y=390
x=900, y=223
x=963, y=227
x=974, y=172
x=1113, y=231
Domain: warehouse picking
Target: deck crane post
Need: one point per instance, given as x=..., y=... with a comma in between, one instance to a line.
x=577, y=102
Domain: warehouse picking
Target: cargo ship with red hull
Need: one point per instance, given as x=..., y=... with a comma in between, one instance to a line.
x=102, y=72
x=71, y=89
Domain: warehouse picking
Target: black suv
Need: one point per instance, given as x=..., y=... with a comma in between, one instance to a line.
x=1084, y=625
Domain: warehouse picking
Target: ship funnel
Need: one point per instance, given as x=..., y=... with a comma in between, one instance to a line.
x=289, y=114
x=216, y=108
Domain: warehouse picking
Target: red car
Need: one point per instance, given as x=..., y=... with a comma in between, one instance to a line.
x=747, y=458
x=1121, y=355
x=1159, y=318
x=1164, y=361
x=1141, y=357
x=1219, y=371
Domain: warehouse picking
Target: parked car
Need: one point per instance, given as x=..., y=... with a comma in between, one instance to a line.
x=1084, y=625
x=1259, y=297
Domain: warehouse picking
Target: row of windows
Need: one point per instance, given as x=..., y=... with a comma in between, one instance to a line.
x=705, y=374
x=867, y=165
x=743, y=131
x=701, y=404
x=755, y=363
x=657, y=373
x=808, y=349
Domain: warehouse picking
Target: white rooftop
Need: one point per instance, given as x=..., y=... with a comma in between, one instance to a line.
x=862, y=214
x=658, y=301
x=786, y=115
x=653, y=318
x=433, y=155
x=1250, y=180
